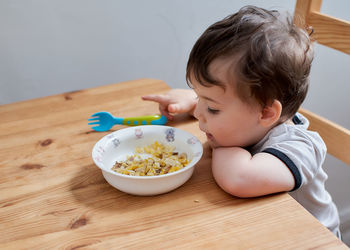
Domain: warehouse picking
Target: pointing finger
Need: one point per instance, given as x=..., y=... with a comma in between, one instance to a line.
x=162, y=99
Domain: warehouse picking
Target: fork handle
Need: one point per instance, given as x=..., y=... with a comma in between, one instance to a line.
x=142, y=120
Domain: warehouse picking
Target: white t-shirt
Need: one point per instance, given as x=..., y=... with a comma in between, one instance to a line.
x=303, y=152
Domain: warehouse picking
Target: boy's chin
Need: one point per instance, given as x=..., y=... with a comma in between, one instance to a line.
x=213, y=144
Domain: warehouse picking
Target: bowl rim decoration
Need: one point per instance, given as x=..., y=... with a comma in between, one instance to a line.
x=191, y=140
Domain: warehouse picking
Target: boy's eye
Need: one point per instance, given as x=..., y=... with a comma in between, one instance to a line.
x=213, y=111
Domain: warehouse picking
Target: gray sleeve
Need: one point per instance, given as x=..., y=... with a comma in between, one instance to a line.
x=302, y=151
x=289, y=163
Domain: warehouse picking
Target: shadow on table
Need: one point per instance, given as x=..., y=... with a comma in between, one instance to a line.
x=90, y=188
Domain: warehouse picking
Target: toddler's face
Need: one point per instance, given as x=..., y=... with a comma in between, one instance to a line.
x=222, y=115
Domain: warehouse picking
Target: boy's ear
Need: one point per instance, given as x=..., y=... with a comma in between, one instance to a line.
x=270, y=114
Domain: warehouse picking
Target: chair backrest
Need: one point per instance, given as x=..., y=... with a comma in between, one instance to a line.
x=334, y=33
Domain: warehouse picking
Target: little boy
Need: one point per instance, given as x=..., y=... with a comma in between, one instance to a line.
x=249, y=74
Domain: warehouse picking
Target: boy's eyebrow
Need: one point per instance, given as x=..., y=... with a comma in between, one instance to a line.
x=210, y=99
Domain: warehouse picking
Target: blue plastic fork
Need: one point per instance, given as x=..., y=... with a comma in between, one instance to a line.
x=105, y=120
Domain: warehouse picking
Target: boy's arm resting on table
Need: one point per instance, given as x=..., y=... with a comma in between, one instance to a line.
x=240, y=174
x=176, y=101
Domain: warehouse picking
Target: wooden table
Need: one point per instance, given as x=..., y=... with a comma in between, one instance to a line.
x=53, y=196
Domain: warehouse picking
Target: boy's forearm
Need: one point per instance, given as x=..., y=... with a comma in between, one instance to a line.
x=240, y=174
x=227, y=164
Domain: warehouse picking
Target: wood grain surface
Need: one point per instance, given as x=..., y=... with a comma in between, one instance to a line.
x=52, y=196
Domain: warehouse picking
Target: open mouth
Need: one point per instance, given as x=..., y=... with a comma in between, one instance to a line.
x=209, y=136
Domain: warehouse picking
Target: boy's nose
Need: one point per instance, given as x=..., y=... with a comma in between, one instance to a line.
x=198, y=114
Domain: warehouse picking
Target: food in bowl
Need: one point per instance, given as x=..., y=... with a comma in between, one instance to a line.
x=118, y=145
x=154, y=159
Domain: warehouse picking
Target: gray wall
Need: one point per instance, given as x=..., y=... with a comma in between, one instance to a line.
x=50, y=47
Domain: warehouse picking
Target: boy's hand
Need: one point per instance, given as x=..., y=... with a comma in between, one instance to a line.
x=176, y=101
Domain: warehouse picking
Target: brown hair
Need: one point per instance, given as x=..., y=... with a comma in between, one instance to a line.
x=273, y=57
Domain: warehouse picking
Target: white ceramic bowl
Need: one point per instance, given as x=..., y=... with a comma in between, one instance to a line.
x=118, y=145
